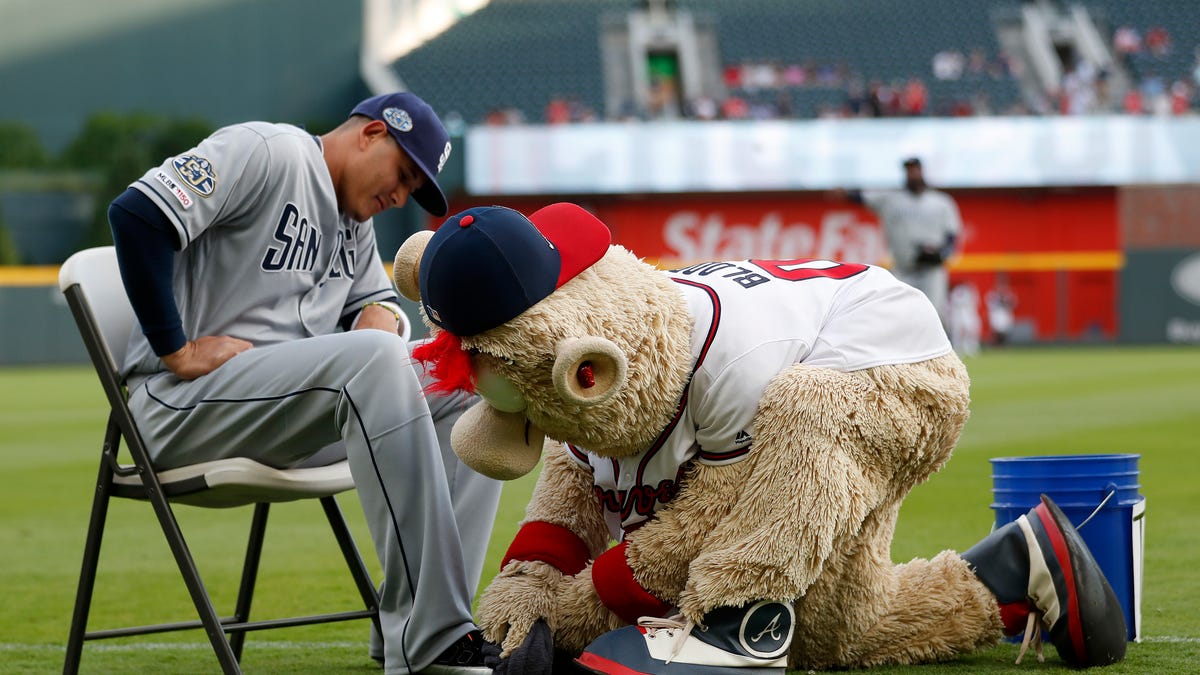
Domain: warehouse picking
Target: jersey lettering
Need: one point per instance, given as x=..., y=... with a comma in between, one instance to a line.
x=298, y=241
x=344, y=265
x=802, y=269
x=640, y=499
x=744, y=277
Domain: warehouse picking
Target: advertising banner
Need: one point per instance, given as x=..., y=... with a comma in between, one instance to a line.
x=1056, y=253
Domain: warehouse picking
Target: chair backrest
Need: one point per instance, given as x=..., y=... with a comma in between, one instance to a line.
x=95, y=272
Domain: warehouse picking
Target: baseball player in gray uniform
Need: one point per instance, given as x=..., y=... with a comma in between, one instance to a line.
x=269, y=331
x=921, y=226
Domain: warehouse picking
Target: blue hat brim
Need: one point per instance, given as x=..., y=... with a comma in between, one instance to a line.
x=429, y=196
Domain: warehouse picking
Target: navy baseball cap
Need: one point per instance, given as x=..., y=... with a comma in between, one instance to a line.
x=418, y=130
x=489, y=264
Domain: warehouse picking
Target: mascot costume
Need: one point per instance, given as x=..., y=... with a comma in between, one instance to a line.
x=725, y=448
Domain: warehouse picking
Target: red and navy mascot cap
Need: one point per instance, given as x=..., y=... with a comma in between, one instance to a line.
x=487, y=265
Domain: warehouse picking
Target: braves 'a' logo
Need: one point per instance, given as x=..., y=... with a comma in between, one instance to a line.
x=766, y=630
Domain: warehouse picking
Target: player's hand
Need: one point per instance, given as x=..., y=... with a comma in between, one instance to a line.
x=203, y=355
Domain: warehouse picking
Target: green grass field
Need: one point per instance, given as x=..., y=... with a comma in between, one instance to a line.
x=1025, y=402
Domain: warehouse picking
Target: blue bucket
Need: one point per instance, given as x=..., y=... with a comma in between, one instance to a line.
x=1099, y=494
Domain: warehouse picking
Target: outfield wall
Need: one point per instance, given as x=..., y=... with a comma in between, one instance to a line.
x=1060, y=251
x=1100, y=263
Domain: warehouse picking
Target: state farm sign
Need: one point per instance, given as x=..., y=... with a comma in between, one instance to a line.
x=699, y=230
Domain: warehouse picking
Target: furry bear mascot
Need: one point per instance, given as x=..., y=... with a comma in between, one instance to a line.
x=745, y=433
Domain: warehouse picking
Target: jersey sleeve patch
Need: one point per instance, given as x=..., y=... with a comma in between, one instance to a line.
x=176, y=190
x=197, y=173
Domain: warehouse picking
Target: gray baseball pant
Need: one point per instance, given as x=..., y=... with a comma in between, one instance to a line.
x=429, y=515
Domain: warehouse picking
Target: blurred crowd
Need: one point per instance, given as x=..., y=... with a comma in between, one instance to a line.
x=835, y=89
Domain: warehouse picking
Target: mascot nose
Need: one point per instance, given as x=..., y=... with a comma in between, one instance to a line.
x=498, y=391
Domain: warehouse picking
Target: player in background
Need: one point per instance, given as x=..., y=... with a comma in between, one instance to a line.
x=962, y=315
x=921, y=226
x=1000, y=301
x=270, y=329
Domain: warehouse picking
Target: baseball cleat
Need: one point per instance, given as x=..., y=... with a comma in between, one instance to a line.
x=749, y=640
x=464, y=657
x=1045, y=578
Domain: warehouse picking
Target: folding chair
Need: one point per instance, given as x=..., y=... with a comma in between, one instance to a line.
x=91, y=282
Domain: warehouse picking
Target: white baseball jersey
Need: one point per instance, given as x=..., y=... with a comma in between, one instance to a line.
x=753, y=319
x=913, y=220
x=276, y=261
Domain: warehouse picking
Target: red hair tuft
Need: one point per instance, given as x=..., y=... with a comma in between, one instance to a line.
x=450, y=365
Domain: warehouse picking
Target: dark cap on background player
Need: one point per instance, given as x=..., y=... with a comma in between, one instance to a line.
x=420, y=133
x=489, y=264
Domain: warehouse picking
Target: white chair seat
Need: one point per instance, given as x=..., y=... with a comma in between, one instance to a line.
x=238, y=481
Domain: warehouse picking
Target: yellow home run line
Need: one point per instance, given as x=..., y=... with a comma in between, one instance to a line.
x=47, y=275
x=29, y=275
x=1039, y=262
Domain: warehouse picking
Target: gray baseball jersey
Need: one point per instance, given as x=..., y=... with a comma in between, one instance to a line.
x=912, y=220
x=266, y=257
x=277, y=262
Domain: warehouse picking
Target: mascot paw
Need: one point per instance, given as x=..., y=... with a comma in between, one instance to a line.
x=535, y=656
x=522, y=594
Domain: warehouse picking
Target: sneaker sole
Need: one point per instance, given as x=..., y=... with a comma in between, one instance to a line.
x=594, y=663
x=1094, y=633
x=603, y=665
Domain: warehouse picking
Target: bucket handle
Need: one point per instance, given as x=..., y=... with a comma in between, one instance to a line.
x=1112, y=490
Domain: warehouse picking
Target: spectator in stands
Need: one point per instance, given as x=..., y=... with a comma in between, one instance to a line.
x=914, y=98
x=1078, y=92
x=1127, y=41
x=558, y=111
x=921, y=226
x=795, y=75
x=735, y=108
x=703, y=108
x=879, y=98
x=1158, y=42
x=1132, y=103
x=948, y=64
x=977, y=63
x=1181, y=97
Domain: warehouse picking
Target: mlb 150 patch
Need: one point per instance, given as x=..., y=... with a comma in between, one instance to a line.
x=197, y=173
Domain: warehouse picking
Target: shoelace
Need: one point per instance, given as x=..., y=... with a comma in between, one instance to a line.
x=1033, y=636
x=669, y=625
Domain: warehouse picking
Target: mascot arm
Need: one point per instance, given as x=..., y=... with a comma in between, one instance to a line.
x=562, y=531
x=563, y=521
x=659, y=554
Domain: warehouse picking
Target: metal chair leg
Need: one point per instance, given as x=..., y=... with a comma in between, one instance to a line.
x=191, y=576
x=91, y=554
x=258, y=529
x=358, y=569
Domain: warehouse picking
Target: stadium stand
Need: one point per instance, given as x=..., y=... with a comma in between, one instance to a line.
x=519, y=54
